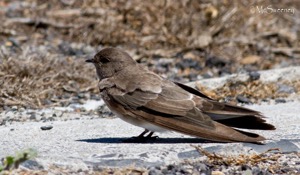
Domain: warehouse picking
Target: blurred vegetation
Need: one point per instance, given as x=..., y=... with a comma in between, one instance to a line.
x=10, y=163
x=43, y=43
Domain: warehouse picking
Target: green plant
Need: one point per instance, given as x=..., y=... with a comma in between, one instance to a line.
x=13, y=162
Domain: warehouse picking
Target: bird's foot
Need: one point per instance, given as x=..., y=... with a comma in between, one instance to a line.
x=142, y=138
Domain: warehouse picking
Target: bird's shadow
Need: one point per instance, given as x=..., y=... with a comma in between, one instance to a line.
x=122, y=140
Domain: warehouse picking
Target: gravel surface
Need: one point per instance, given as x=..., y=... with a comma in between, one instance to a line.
x=94, y=143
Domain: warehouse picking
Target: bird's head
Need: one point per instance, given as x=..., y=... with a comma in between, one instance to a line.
x=110, y=61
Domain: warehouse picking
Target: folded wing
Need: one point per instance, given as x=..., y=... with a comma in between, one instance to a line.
x=165, y=104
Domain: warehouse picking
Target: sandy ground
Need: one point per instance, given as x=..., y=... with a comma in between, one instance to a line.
x=87, y=142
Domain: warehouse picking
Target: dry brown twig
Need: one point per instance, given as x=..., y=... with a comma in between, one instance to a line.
x=242, y=159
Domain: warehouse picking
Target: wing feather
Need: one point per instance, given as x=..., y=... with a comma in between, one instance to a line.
x=169, y=101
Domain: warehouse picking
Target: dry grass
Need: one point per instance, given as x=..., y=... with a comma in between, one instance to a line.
x=65, y=171
x=253, y=90
x=267, y=160
x=38, y=80
x=226, y=31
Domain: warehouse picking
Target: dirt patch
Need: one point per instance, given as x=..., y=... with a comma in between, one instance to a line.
x=43, y=44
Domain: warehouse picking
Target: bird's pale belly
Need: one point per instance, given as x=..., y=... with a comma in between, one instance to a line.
x=140, y=123
x=134, y=121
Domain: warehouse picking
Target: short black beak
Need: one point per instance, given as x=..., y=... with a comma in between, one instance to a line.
x=89, y=60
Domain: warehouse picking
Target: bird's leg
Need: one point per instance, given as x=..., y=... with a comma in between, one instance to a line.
x=142, y=138
x=150, y=134
x=150, y=137
x=143, y=133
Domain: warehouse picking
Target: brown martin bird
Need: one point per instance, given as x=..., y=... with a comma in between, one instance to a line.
x=143, y=98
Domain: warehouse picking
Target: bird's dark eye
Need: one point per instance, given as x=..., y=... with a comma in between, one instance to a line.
x=104, y=60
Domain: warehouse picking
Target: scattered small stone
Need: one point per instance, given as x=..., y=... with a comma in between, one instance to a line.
x=48, y=127
x=2, y=122
x=81, y=101
x=242, y=99
x=164, y=171
x=189, y=63
x=213, y=61
x=6, y=108
x=170, y=167
x=47, y=102
x=254, y=76
x=82, y=109
x=144, y=155
x=186, y=169
x=286, y=170
x=256, y=170
x=217, y=173
x=103, y=111
x=224, y=71
x=280, y=100
x=32, y=165
x=21, y=109
x=202, y=167
x=95, y=97
x=193, y=77
x=14, y=108
x=32, y=116
x=207, y=75
x=81, y=95
x=245, y=167
x=155, y=171
x=283, y=88
x=247, y=172
x=66, y=49
x=50, y=119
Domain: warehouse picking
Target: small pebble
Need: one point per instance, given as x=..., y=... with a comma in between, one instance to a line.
x=81, y=95
x=242, y=99
x=282, y=88
x=21, y=109
x=32, y=165
x=207, y=75
x=154, y=171
x=32, y=116
x=188, y=63
x=280, y=100
x=66, y=49
x=193, y=77
x=213, y=61
x=14, y=108
x=48, y=127
x=247, y=172
x=202, y=167
x=217, y=173
x=50, y=119
x=6, y=108
x=254, y=76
